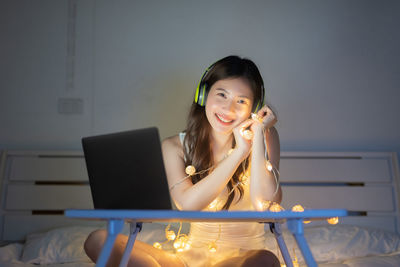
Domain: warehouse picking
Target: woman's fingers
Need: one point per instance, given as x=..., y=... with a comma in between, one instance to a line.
x=246, y=123
x=266, y=116
x=263, y=111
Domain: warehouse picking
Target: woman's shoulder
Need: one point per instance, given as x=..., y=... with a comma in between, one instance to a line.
x=172, y=144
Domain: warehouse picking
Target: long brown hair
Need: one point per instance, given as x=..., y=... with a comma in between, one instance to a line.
x=197, y=139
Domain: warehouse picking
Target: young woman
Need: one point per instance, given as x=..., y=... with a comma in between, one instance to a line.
x=218, y=163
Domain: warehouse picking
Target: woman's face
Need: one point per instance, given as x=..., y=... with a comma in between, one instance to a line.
x=229, y=103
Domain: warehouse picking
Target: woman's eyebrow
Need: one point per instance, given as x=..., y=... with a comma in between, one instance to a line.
x=222, y=89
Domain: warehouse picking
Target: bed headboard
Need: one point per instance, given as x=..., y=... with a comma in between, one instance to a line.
x=366, y=183
x=37, y=186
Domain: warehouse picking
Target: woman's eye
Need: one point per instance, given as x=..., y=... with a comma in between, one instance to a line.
x=242, y=101
x=221, y=94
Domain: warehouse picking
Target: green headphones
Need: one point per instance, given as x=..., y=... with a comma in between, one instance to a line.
x=202, y=90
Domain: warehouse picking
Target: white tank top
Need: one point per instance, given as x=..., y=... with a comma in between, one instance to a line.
x=238, y=235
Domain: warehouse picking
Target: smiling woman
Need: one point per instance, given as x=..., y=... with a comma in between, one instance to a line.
x=213, y=166
x=228, y=104
x=228, y=93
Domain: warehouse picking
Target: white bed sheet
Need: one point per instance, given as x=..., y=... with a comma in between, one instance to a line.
x=332, y=246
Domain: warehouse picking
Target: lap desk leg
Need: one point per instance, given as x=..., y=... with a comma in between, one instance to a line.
x=296, y=227
x=114, y=227
x=276, y=229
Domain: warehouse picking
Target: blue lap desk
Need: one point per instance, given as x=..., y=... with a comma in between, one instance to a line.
x=117, y=218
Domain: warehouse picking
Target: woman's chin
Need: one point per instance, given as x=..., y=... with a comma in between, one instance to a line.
x=223, y=130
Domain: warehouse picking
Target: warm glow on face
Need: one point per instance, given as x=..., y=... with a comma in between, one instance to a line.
x=229, y=103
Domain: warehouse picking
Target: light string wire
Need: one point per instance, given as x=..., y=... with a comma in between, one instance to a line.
x=182, y=241
x=189, y=175
x=190, y=170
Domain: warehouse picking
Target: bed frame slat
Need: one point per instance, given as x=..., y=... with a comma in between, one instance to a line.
x=334, y=170
x=340, y=197
x=52, y=197
x=39, y=168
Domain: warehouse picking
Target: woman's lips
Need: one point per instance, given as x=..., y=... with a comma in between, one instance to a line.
x=223, y=119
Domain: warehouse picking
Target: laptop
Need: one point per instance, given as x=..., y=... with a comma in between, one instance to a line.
x=126, y=170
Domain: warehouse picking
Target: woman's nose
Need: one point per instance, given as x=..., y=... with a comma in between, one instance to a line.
x=229, y=106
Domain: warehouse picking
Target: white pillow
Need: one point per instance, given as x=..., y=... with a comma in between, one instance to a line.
x=339, y=242
x=62, y=245
x=11, y=252
x=57, y=246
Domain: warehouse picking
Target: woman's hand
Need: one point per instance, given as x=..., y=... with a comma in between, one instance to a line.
x=266, y=119
x=243, y=144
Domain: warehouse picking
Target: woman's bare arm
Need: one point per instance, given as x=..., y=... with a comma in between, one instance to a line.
x=263, y=185
x=189, y=196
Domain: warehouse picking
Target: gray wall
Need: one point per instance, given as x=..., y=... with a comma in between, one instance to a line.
x=331, y=68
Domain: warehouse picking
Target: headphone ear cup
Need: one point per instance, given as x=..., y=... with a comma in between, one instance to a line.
x=201, y=95
x=256, y=107
x=261, y=101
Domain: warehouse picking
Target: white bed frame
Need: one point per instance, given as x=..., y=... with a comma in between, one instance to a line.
x=37, y=186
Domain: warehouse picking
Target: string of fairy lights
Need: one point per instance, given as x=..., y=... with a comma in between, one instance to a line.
x=181, y=242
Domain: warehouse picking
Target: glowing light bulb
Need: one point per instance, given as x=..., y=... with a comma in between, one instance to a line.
x=212, y=247
x=247, y=134
x=264, y=205
x=299, y=208
x=255, y=117
x=333, y=220
x=170, y=235
x=187, y=246
x=157, y=245
x=177, y=243
x=269, y=166
x=295, y=261
x=182, y=243
x=243, y=179
x=275, y=207
x=190, y=170
x=213, y=204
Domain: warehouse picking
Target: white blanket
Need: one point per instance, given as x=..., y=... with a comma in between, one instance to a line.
x=338, y=245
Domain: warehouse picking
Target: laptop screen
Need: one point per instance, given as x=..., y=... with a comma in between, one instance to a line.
x=126, y=170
